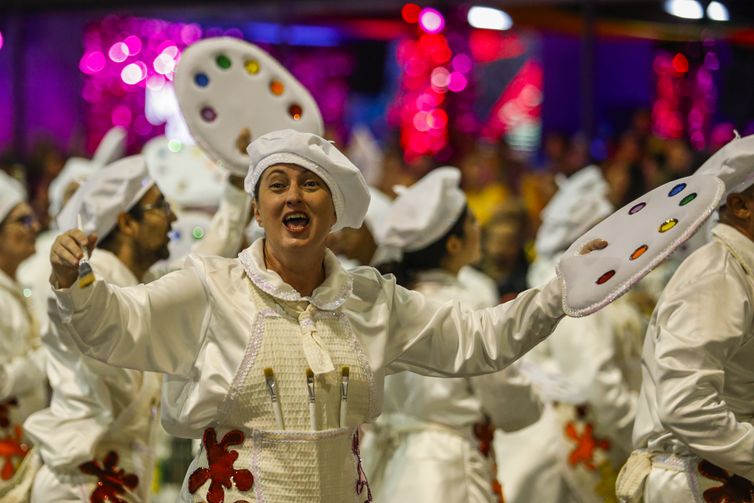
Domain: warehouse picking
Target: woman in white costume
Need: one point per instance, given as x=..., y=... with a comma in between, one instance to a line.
x=276, y=358
x=433, y=440
x=588, y=370
x=22, y=375
x=97, y=437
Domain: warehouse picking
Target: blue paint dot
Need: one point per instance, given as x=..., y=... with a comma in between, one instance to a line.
x=201, y=79
x=677, y=189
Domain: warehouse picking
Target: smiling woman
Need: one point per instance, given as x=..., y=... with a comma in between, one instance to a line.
x=277, y=357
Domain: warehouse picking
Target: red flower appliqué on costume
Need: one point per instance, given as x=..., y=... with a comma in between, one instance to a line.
x=361, y=477
x=735, y=489
x=112, y=480
x=220, y=470
x=586, y=444
x=12, y=448
x=5, y=411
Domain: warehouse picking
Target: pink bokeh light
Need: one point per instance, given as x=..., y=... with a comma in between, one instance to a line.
x=431, y=21
x=1, y=40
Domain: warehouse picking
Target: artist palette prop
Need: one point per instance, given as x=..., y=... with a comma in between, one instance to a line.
x=231, y=92
x=640, y=236
x=184, y=173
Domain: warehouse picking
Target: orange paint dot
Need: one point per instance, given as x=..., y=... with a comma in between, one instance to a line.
x=276, y=87
x=639, y=252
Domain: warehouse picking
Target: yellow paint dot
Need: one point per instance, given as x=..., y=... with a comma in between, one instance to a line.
x=668, y=224
x=252, y=66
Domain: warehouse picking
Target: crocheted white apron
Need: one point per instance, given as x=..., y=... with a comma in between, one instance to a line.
x=246, y=457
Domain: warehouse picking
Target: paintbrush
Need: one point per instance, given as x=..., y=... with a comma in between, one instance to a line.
x=272, y=387
x=343, y=395
x=312, y=399
x=86, y=274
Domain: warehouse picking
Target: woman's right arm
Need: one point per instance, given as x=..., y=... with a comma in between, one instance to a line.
x=156, y=327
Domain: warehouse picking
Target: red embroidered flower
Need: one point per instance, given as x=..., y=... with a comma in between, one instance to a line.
x=112, y=480
x=5, y=411
x=220, y=470
x=735, y=489
x=12, y=448
x=586, y=444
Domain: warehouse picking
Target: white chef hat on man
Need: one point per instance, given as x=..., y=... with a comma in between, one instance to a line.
x=12, y=193
x=733, y=164
x=580, y=203
x=78, y=169
x=110, y=191
x=424, y=212
x=350, y=193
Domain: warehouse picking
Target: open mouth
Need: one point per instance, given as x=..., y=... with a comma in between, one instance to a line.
x=296, y=222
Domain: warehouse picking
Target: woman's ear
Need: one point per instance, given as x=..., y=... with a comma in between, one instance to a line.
x=453, y=245
x=255, y=210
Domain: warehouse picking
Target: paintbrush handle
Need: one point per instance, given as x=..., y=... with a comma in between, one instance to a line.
x=278, y=415
x=313, y=416
x=343, y=411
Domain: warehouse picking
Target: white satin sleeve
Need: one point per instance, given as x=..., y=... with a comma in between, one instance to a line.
x=444, y=339
x=155, y=327
x=22, y=374
x=225, y=232
x=700, y=327
x=22, y=360
x=508, y=398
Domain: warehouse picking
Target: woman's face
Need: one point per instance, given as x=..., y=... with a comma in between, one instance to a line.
x=18, y=234
x=295, y=207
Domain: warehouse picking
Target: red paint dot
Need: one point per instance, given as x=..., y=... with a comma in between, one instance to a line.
x=605, y=277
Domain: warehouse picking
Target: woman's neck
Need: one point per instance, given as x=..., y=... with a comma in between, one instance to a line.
x=303, y=271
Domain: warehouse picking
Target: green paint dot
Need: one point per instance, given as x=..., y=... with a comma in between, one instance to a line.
x=197, y=233
x=223, y=61
x=686, y=200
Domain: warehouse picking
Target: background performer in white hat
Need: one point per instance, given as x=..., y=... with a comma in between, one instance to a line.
x=22, y=376
x=275, y=358
x=587, y=370
x=694, y=434
x=102, y=419
x=433, y=441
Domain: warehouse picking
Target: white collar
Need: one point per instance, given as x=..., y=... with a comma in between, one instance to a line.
x=9, y=283
x=740, y=246
x=328, y=296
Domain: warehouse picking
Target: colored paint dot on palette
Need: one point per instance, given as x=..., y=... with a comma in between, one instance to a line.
x=677, y=189
x=223, y=61
x=208, y=114
x=276, y=87
x=606, y=277
x=668, y=224
x=295, y=112
x=686, y=200
x=201, y=79
x=251, y=66
x=636, y=208
x=197, y=233
x=639, y=252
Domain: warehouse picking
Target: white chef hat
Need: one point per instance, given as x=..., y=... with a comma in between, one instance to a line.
x=78, y=169
x=377, y=213
x=112, y=190
x=350, y=193
x=425, y=211
x=184, y=173
x=580, y=203
x=733, y=164
x=12, y=193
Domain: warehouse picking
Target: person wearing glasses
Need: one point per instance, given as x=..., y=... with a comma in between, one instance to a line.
x=99, y=429
x=22, y=376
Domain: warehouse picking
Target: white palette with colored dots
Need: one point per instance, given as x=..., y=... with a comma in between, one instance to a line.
x=184, y=173
x=640, y=236
x=231, y=92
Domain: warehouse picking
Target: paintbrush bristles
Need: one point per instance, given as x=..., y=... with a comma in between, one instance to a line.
x=309, y=374
x=268, y=373
x=86, y=275
x=345, y=371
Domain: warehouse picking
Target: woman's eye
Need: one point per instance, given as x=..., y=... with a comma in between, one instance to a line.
x=311, y=183
x=277, y=185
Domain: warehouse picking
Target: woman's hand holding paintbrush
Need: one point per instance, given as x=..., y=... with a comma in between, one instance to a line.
x=66, y=253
